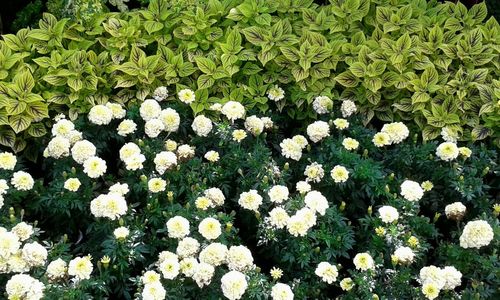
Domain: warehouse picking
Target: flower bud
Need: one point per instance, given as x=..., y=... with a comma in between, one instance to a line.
x=342, y=206
x=170, y=196
x=229, y=226
x=287, y=166
x=370, y=210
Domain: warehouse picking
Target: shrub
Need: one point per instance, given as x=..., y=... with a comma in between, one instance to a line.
x=330, y=208
x=430, y=64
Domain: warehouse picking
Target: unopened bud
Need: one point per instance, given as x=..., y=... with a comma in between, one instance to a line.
x=287, y=166
x=370, y=210
x=229, y=226
x=342, y=206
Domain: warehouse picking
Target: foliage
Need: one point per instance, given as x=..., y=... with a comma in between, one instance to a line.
x=432, y=64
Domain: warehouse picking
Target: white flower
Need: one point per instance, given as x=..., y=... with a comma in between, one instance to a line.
x=363, y=262
x=164, y=161
x=327, y=272
x=154, y=291
x=34, y=254
x=110, y=206
x=233, y=110
x=449, y=135
x=80, y=267
x=411, y=190
x=3, y=186
x=178, y=227
x=455, y=211
x=121, y=232
x=404, y=255
x=100, y=115
x=316, y=201
x=214, y=254
x=153, y=127
x=239, y=258
x=346, y=284
x=430, y=290
x=388, y=214
x=150, y=109
x=397, y=132
x=58, y=147
x=268, y=123
x=156, y=185
x=9, y=244
x=278, y=217
x=7, y=161
x=128, y=150
x=318, y=131
x=250, y=200
x=341, y=124
x=22, y=181
x=202, y=125
x=275, y=93
x=476, y=234
x=254, y=125
x=281, y=291
x=203, y=274
x=150, y=277
x=186, y=96
x=94, y=167
x=22, y=286
x=215, y=195
x=210, y=228
x=117, y=110
x=188, y=266
x=239, y=135
x=126, y=127
x=297, y=226
x=187, y=247
x=465, y=152
x=381, y=139
x=120, y=189
x=302, y=187
x=432, y=274
x=83, y=150
x=170, y=268
x=63, y=128
x=212, y=156
x=322, y=104
x=291, y=149
x=452, y=276
x=314, y=172
x=278, y=193
x=23, y=231
x=300, y=140
x=185, y=151
x=216, y=107
x=160, y=93
x=347, y=108
x=447, y=151
x=350, y=144
x=339, y=174
x=234, y=285
x=57, y=269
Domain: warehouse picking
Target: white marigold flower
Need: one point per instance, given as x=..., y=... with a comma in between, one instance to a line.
x=346, y=284
x=187, y=247
x=58, y=147
x=476, y=234
x=160, y=93
x=164, y=161
x=153, y=291
x=22, y=286
x=216, y=107
x=341, y=124
x=276, y=273
x=381, y=139
x=291, y=149
x=275, y=93
x=447, y=151
x=7, y=161
x=215, y=195
x=185, y=152
x=83, y=150
x=239, y=258
x=455, y=211
x=150, y=109
x=100, y=115
x=322, y=104
x=281, y=291
x=34, y=254
x=9, y=244
x=212, y=156
x=188, y=266
x=3, y=186
x=135, y=162
x=350, y=144
x=63, y=128
x=465, y=152
x=411, y=190
x=214, y=254
x=178, y=227
x=314, y=172
x=430, y=290
x=81, y=267
x=153, y=128
x=300, y=140
x=388, y=214
x=449, y=135
x=15, y=264
x=452, y=276
x=170, y=268
x=434, y=275
x=117, y=110
x=339, y=174
x=233, y=110
x=203, y=274
x=110, y=206
x=128, y=150
x=22, y=181
x=297, y=226
x=268, y=123
x=318, y=131
x=186, y=96
x=156, y=185
x=427, y=185
x=302, y=187
x=397, y=132
x=316, y=202
x=121, y=232
x=234, y=285
x=23, y=231
x=202, y=125
x=308, y=215
x=278, y=193
x=164, y=255
x=250, y=200
x=239, y=135
x=150, y=277
x=126, y=127
x=119, y=188
x=404, y=255
x=203, y=203
x=278, y=217
x=347, y=108
x=210, y=228
x=57, y=269
x=363, y=262
x=327, y=272
x=94, y=167
x=254, y=125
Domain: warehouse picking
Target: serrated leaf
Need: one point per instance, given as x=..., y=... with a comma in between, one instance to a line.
x=254, y=35
x=19, y=122
x=37, y=130
x=347, y=79
x=205, y=65
x=478, y=12
x=265, y=56
x=299, y=73
x=153, y=26
x=290, y=53
x=205, y=81
x=15, y=107
x=37, y=110
x=7, y=137
x=480, y=132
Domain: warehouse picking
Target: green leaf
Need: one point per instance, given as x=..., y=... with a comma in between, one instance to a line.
x=136, y=54
x=15, y=107
x=265, y=56
x=205, y=65
x=376, y=68
x=358, y=69
x=383, y=15
x=55, y=80
x=37, y=110
x=478, y=12
x=403, y=43
x=205, y=81
x=480, y=132
x=347, y=79
x=254, y=35
x=186, y=69
x=37, y=130
x=19, y=122
x=24, y=81
x=75, y=83
x=429, y=77
x=420, y=97
x=373, y=84
x=7, y=137
x=299, y=73
x=290, y=53
x=152, y=26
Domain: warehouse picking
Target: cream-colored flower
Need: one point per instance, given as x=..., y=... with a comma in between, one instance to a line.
x=339, y=174
x=156, y=185
x=341, y=124
x=278, y=193
x=363, y=261
x=160, y=93
x=22, y=181
x=318, y=131
x=178, y=227
x=72, y=184
x=80, y=267
x=100, y=115
x=23, y=231
x=7, y=161
x=202, y=125
x=186, y=96
x=233, y=110
x=411, y=190
x=281, y=291
x=327, y=272
x=121, y=233
x=239, y=135
x=210, y=228
x=234, y=285
x=212, y=156
x=250, y=200
x=275, y=93
x=150, y=109
x=350, y=144
x=430, y=290
x=171, y=119
x=476, y=234
x=94, y=167
x=447, y=151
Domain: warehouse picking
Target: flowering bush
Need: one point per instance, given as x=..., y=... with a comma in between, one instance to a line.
x=151, y=203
